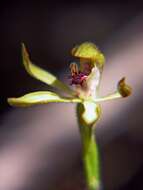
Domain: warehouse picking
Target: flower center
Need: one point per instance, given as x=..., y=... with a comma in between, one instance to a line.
x=86, y=78
x=79, y=76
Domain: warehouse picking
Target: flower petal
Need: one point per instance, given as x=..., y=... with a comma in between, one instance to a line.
x=40, y=97
x=89, y=50
x=123, y=90
x=93, y=81
x=41, y=74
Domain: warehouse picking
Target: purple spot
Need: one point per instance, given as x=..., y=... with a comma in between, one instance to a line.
x=78, y=78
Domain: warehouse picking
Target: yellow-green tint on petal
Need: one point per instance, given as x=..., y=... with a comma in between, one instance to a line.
x=113, y=96
x=124, y=89
x=40, y=97
x=89, y=50
x=41, y=74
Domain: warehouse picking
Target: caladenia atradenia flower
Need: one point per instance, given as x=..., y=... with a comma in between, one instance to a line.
x=85, y=79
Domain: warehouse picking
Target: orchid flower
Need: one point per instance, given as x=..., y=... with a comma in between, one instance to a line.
x=85, y=81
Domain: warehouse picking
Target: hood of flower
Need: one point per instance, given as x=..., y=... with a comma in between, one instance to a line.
x=89, y=51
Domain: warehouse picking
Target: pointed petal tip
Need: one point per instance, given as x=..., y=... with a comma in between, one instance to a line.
x=22, y=44
x=11, y=102
x=23, y=47
x=24, y=51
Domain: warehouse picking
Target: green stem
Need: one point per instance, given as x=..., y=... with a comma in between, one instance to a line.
x=90, y=148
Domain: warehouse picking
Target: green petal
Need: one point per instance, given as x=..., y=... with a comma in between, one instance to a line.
x=89, y=50
x=113, y=96
x=123, y=90
x=40, y=97
x=41, y=74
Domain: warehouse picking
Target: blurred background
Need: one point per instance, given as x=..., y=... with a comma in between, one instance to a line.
x=40, y=146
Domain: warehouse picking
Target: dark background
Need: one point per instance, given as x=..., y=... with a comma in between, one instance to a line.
x=49, y=31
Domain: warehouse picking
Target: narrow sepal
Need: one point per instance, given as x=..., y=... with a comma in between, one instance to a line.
x=123, y=90
x=41, y=74
x=40, y=97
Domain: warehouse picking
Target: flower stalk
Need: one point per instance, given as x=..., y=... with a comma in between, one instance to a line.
x=90, y=152
x=85, y=79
